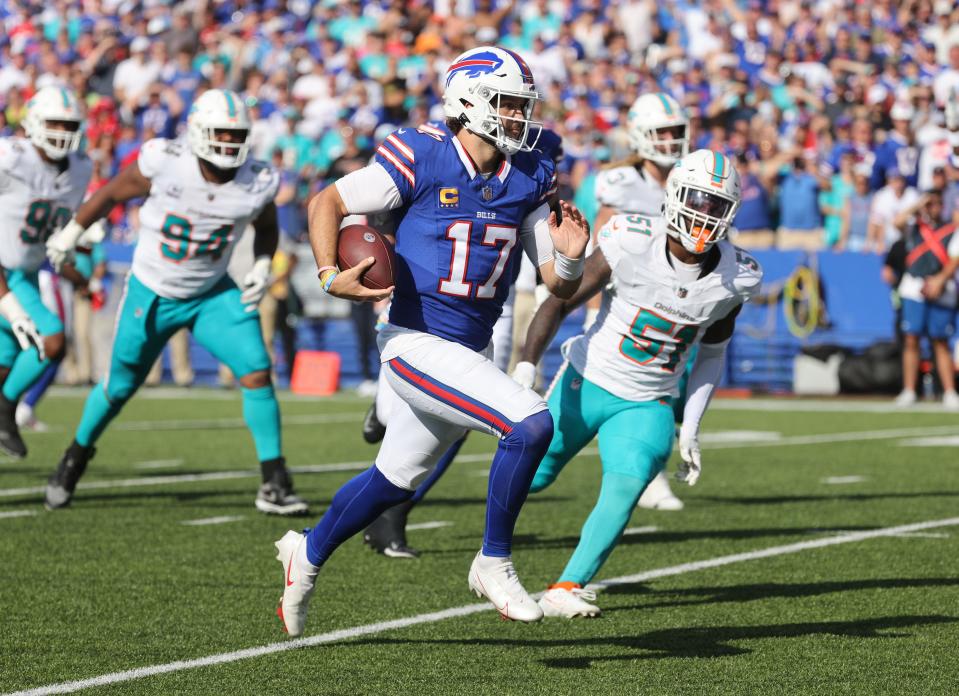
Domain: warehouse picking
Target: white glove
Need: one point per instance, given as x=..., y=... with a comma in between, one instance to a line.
x=692, y=465
x=525, y=374
x=24, y=330
x=94, y=234
x=61, y=244
x=255, y=283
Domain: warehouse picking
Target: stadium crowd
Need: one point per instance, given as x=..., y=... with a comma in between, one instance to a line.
x=838, y=113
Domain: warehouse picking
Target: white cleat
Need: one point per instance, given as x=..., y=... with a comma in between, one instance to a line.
x=907, y=397
x=659, y=496
x=299, y=577
x=569, y=603
x=950, y=401
x=496, y=579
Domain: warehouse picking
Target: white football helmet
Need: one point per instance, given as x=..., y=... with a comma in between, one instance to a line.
x=702, y=197
x=647, y=116
x=59, y=104
x=476, y=81
x=219, y=110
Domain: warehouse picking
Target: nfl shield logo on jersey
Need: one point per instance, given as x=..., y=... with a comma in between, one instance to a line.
x=681, y=292
x=487, y=193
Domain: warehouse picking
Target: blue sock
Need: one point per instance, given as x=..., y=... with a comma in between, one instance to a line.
x=262, y=415
x=441, y=466
x=46, y=379
x=26, y=370
x=514, y=465
x=98, y=411
x=358, y=502
x=604, y=526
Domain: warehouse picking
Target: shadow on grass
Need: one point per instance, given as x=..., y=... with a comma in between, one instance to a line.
x=747, y=593
x=687, y=642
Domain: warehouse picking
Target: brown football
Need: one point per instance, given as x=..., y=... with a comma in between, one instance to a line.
x=358, y=242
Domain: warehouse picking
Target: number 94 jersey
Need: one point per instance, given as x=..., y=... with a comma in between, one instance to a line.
x=648, y=321
x=36, y=200
x=188, y=225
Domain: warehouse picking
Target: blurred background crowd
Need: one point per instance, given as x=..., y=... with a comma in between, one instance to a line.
x=839, y=113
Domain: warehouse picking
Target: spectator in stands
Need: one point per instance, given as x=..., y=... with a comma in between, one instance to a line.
x=855, y=233
x=928, y=295
x=887, y=204
x=801, y=222
x=899, y=149
x=754, y=221
x=832, y=201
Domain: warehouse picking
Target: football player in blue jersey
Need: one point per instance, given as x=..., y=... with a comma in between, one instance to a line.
x=387, y=534
x=469, y=197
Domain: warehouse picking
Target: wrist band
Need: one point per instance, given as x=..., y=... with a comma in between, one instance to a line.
x=319, y=271
x=567, y=268
x=328, y=277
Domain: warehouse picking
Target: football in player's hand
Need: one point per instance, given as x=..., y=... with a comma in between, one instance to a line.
x=358, y=242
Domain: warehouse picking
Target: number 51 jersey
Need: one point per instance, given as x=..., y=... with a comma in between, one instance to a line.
x=458, y=236
x=188, y=224
x=639, y=345
x=36, y=200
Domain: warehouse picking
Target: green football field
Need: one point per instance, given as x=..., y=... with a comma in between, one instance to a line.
x=819, y=554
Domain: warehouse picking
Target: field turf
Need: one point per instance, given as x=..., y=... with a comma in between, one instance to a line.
x=794, y=595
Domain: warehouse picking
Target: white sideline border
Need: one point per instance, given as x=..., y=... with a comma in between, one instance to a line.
x=466, y=610
x=797, y=440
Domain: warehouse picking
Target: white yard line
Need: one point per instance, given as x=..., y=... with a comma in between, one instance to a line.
x=465, y=610
x=17, y=513
x=158, y=464
x=949, y=441
x=841, y=480
x=639, y=530
x=824, y=406
x=429, y=525
x=203, y=521
x=224, y=475
x=852, y=436
x=233, y=423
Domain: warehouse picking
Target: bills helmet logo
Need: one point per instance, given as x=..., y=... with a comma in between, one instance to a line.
x=474, y=65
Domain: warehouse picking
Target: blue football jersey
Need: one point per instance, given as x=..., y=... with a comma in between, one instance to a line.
x=457, y=239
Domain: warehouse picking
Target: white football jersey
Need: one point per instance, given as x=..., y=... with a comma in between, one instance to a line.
x=187, y=224
x=649, y=319
x=36, y=200
x=629, y=190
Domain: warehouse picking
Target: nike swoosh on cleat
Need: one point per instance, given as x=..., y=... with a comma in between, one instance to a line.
x=288, y=569
x=505, y=606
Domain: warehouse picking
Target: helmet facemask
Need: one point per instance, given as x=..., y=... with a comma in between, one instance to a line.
x=206, y=144
x=663, y=147
x=508, y=133
x=57, y=142
x=699, y=218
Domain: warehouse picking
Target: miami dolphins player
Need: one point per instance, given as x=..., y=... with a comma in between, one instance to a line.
x=669, y=283
x=658, y=132
x=43, y=178
x=470, y=200
x=200, y=197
